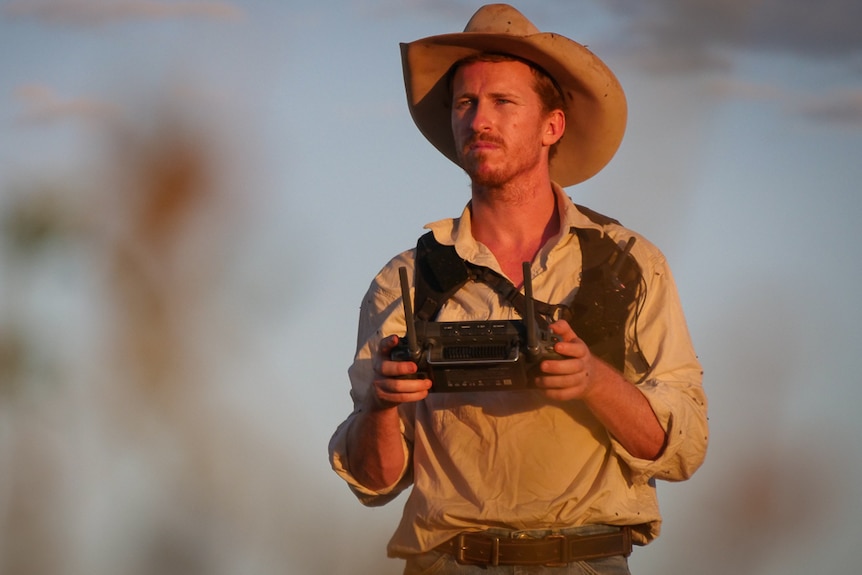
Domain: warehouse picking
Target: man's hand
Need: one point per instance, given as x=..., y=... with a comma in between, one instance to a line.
x=387, y=389
x=616, y=402
x=573, y=377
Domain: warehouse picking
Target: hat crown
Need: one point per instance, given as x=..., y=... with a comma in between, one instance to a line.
x=500, y=19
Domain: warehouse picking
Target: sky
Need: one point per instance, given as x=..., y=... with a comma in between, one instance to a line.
x=283, y=129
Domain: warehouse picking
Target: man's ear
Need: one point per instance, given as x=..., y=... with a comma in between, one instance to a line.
x=555, y=125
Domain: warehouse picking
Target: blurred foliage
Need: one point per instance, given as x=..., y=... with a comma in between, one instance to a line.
x=125, y=389
x=12, y=358
x=32, y=221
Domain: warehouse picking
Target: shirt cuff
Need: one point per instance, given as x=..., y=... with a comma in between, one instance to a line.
x=339, y=461
x=683, y=451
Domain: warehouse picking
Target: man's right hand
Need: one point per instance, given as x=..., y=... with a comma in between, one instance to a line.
x=375, y=445
x=389, y=390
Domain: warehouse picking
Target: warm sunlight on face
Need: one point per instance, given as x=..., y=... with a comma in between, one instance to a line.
x=501, y=131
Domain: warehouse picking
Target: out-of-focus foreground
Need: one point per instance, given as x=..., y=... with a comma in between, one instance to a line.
x=118, y=453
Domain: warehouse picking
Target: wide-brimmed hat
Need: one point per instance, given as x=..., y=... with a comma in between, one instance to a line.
x=595, y=104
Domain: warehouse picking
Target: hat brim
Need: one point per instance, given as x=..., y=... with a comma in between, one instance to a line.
x=595, y=104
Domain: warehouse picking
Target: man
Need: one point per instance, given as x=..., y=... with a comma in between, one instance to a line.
x=559, y=476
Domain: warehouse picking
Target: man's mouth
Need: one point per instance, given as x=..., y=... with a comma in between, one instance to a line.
x=484, y=143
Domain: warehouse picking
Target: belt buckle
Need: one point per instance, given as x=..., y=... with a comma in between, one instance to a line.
x=462, y=547
x=564, y=550
x=461, y=555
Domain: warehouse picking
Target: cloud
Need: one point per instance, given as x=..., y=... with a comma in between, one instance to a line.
x=41, y=104
x=729, y=87
x=438, y=9
x=701, y=30
x=840, y=107
x=94, y=12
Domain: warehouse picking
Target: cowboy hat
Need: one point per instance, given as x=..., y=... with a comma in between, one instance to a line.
x=595, y=105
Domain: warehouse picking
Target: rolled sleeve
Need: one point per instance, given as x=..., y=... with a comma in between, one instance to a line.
x=673, y=382
x=681, y=411
x=338, y=459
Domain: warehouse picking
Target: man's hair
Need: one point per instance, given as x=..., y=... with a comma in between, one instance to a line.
x=549, y=92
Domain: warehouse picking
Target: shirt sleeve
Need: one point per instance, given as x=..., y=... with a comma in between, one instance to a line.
x=673, y=383
x=380, y=315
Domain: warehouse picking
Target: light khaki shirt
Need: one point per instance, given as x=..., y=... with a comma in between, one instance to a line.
x=514, y=459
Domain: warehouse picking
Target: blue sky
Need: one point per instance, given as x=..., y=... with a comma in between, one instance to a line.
x=741, y=161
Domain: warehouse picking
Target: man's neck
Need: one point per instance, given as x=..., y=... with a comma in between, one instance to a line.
x=514, y=223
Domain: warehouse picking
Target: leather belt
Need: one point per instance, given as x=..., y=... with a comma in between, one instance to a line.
x=553, y=550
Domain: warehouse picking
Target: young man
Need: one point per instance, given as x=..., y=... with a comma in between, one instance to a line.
x=561, y=474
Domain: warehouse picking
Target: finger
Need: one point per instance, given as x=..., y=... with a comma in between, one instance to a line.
x=561, y=387
x=384, y=350
x=562, y=328
x=387, y=344
x=391, y=399
x=575, y=348
x=390, y=368
x=401, y=390
x=570, y=366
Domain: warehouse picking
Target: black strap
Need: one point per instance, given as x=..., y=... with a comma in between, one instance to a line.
x=440, y=272
x=609, y=294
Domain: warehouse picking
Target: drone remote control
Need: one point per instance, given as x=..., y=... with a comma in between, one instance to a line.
x=487, y=355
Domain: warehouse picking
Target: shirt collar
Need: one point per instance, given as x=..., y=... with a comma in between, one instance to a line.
x=458, y=231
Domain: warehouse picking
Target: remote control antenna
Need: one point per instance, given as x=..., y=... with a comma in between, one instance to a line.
x=412, y=344
x=530, y=314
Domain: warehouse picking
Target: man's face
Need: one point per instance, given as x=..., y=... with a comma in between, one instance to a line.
x=498, y=122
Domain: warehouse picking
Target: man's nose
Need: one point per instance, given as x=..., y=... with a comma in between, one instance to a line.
x=481, y=119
